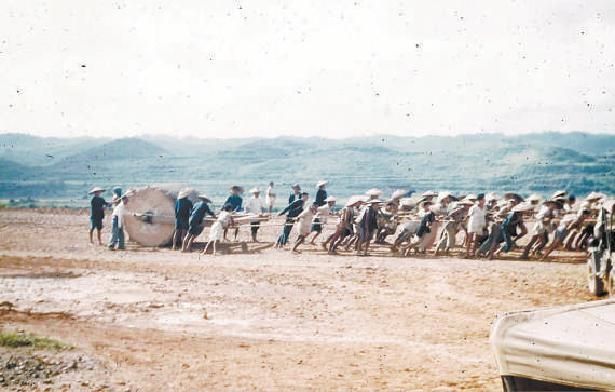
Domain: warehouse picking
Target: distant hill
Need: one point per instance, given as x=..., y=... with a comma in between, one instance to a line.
x=38, y=151
x=66, y=168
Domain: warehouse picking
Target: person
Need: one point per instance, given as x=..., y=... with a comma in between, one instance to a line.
x=270, y=197
x=508, y=230
x=254, y=206
x=223, y=222
x=344, y=226
x=291, y=211
x=570, y=202
x=447, y=240
x=429, y=195
x=387, y=221
x=321, y=193
x=540, y=230
x=367, y=222
x=183, y=208
x=97, y=213
x=373, y=194
x=195, y=223
x=304, y=225
x=477, y=224
x=296, y=195
x=117, y=218
x=427, y=221
x=320, y=219
x=567, y=223
x=236, y=202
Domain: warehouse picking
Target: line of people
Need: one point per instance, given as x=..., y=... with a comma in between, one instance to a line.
x=491, y=225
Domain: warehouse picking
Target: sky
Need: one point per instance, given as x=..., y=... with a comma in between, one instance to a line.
x=309, y=68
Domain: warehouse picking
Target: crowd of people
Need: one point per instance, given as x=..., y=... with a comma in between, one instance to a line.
x=489, y=225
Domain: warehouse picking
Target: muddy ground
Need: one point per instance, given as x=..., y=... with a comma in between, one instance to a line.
x=156, y=320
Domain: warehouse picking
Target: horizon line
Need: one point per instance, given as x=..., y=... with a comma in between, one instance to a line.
x=290, y=135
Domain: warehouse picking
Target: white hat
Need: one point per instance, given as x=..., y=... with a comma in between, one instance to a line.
x=407, y=202
x=204, y=197
x=184, y=193
x=471, y=197
x=429, y=194
x=254, y=190
x=466, y=202
x=330, y=198
x=523, y=207
x=593, y=196
x=534, y=197
x=354, y=200
x=374, y=201
x=96, y=189
x=443, y=195
x=115, y=198
x=560, y=193
x=374, y=192
x=491, y=196
x=398, y=194
x=321, y=183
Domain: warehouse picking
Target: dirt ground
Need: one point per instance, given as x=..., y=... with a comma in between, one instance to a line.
x=157, y=320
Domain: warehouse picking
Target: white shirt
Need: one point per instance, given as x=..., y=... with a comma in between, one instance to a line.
x=270, y=196
x=305, y=222
x=322, y=213
x=439, y=209
x=254, y=206
x=477, y=218
x=118, y=211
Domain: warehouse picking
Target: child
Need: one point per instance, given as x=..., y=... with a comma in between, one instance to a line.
x=224, y=221
x=97, y=213
x=117, y=231
x=304, y=225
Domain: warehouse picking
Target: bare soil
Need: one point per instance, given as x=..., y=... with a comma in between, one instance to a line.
x=156, y=320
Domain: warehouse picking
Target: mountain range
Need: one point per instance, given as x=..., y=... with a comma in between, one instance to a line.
x=65, y=168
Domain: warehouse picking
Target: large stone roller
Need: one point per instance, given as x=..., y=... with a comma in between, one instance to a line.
x=150, y=214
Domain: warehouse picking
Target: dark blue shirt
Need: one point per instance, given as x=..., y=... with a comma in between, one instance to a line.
x=199, y=211
x=236, y=201
x=510, y=223
x=183, y=209
x=98, y=207
x=294, y=197
x=321, y=195
x=424, y=228
x=293, y=209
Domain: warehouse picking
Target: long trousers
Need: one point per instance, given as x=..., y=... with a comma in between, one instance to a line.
x=283, y=238
x=117, y=234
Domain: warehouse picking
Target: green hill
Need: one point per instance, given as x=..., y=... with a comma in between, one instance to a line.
x=528, y=163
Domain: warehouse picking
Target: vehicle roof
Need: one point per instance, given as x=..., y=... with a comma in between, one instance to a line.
x=571, y=345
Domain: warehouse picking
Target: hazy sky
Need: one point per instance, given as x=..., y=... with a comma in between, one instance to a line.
x=327, y=68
